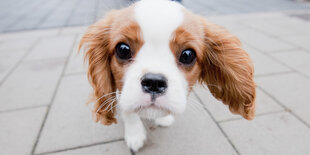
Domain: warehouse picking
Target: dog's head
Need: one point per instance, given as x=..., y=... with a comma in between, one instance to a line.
x=151, y=54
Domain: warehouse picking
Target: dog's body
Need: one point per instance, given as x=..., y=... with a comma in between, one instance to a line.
x=147, y=57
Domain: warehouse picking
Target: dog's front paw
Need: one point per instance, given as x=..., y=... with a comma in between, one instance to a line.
x=135, y=141
x=164, y=121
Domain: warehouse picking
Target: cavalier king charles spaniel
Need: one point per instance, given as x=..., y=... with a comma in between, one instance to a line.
x=143, y=61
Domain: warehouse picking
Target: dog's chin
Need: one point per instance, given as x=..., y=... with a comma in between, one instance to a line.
x=152, y=112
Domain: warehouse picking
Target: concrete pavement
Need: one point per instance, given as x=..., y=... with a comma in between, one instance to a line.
x=43, y=90
x=21, y=15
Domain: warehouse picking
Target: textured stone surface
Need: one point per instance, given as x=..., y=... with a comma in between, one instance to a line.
x=8, y=59
x=192, y=133
x=41, y=72
x=278, y=133
x=115, y=148
x=279, y=26
x=26, y=35
x=298, y=60
x=31, y=84
x=264, y=104
x=70, y=124
x=54, y=47
x=18, y=44
x=36, y=14
x=264, y=64
x=300, y=41
x=292, y=90
x=76, y=62
x=263, y=42
x=19, y=130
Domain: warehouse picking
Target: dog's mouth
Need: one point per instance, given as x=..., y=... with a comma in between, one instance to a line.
x=152, y=111
x=152, y=107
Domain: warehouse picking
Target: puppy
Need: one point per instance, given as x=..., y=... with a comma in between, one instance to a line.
x=145, y=59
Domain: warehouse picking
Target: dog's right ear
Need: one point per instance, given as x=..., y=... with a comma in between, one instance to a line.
x=96, y=42
x=228, y=67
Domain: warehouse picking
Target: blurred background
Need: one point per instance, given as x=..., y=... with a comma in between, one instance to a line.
x=44, y=88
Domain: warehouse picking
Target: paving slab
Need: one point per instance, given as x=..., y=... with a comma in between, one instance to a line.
x=19, y=130
x=264, y=64
x=279, y=133
x=34, y=14
x=76, y=62
x=194, y=132
x=299, y=60
x=277, y=42
x=28, y=34
x=264, y=104
x=8, y=59
x=78, y=30
x=263, y=42
x=115, y=148
x=17, y=44
x=69, y=123
x=291, y=90
x=51, y=48
x=281, y=26
x=231, y=24
x=31, y=84
x=300, y=41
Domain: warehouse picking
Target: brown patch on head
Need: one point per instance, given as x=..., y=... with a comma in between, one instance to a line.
x=189, y=35
x=105, y=71
x=124, y=30
x=221, y=64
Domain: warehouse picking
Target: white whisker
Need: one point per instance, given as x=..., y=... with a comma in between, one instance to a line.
x=105, y=95
x=105, y=102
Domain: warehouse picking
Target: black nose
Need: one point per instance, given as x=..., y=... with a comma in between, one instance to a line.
x=154, y=84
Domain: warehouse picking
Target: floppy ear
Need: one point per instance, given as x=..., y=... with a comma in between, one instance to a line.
x=96, y=42
x=228, y=71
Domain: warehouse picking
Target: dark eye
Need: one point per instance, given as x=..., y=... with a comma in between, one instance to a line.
x=187, y=56
x=123, y=51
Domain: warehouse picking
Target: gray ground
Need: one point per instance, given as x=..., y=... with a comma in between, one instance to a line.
x=19, y=15
x=43, y=85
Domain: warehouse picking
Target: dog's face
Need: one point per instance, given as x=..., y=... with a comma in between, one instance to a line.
x=153, y=52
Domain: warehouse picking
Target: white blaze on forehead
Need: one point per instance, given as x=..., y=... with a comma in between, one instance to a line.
x=158, y=19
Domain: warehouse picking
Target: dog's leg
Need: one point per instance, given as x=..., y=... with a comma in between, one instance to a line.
x=164, y=121
x=135, y=134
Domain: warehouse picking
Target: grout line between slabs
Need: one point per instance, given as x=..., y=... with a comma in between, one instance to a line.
x=286, y=65
x=272, y=36
x=272, y=74
x=80, y=147
x=24, y=108
x=19, y=61
x=66, y=23
x=74, y=74
x=48, y=14
x=284, y=41
x=285, y=107
x=53, y=98
x=257, y=115
x=283, y=51
x=280, y=62
x=217, y=124
x=15, y=22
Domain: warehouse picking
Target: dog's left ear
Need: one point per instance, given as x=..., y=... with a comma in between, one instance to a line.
x=228, y=71
x=98, y=55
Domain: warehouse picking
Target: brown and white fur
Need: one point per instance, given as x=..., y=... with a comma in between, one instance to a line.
x=157, y=31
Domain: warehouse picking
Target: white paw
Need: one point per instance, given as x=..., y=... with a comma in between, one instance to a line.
x=135, y=141
x=164, y=121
